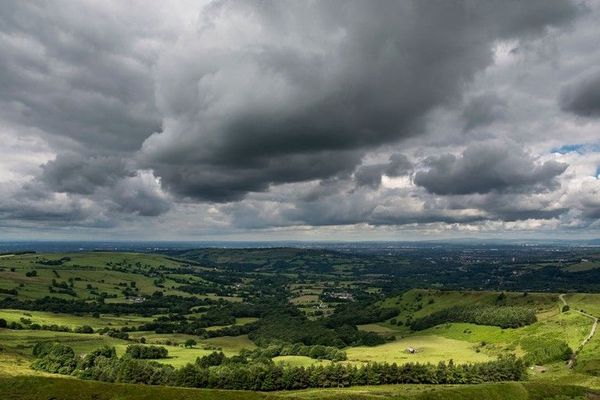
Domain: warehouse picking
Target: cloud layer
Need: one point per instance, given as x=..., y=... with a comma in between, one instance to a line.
x=242, y=117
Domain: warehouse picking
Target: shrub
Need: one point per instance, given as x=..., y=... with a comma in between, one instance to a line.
x=146, y=352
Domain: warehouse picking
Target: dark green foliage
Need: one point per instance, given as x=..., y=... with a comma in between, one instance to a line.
x=91, y=359
x=118, y=335
x=139, y=351
x=3, y=323
x=318, y=352
x=211, y=360
x=502, y=316
x=54, y=357
x=60, y=261
x=84, y=329
x=291, y=326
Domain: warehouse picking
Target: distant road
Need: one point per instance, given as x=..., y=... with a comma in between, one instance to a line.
x=588, y=337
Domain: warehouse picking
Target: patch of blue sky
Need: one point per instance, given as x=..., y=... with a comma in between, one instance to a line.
x=577, y=148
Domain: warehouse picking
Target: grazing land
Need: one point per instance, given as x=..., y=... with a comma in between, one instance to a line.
x=323, y=318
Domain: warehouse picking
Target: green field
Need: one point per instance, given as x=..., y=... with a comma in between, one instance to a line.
x=130, y=279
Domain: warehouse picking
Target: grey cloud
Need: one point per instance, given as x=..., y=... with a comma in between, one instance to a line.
x=316, y=81
x=74, y=173
x=135, y=196
x=583, y=96
x=32, y=203
x=85, y=75
x=370, y=175
x=220, y=183
x=488, y=166
x=482, y=110
x=277, y=103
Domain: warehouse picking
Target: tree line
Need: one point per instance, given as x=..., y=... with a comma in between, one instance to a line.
x=317, y=352
x=239, y=373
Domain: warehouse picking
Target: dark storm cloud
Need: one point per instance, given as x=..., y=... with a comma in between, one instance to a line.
x=486, y=167
x=226, y=183
x=583, y=96
x=74, y=173
x=33, y=203
x=77, y=71
x=134, y=196
x=297, y=84
x=370, y=175
x=271, y=107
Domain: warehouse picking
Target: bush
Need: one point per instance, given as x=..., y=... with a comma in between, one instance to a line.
x=146, y=352
x=84, y=329
x=54, y=357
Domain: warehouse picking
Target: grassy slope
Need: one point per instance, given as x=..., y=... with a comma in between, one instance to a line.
x=90, y=268
x=20, y=343
x=43, y=388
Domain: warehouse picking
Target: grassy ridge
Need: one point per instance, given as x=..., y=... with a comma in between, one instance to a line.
x=44, y=388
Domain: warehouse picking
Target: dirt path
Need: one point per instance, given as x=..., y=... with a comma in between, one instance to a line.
x=588, y=337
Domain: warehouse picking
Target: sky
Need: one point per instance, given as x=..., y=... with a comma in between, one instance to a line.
x=299, y=120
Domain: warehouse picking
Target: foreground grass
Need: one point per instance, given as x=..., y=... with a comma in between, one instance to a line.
x=44, y=388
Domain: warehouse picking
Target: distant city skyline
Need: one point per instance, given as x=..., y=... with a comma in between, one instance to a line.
x=282, y=120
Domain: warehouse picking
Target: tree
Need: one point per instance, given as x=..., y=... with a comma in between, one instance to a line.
x=190, y=343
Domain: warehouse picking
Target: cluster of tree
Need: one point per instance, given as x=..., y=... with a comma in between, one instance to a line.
x=543, y=351
x=236, y=373
x=502, y=316
x=117, y=334
x=359, y=313
x=318, y=352
x=62, y=287
x=178, y=323
x=9, y=291
x=138, y=351
x=54, y=357
x=84, y=329
x=59, y=261
x=291, y=326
